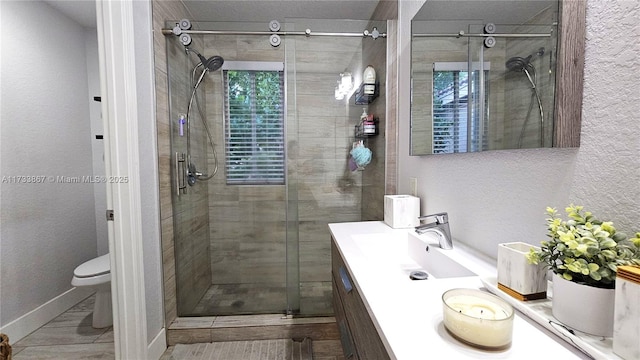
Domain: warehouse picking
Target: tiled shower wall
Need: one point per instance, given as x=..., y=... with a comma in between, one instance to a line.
x=327, y=190
x=247, y=223
x=518, y=89
x=191, y=216
x=248, y=227
x=373, y=186
x=190, y=206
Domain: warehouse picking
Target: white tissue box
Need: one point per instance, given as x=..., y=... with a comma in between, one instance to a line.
x=401, y=211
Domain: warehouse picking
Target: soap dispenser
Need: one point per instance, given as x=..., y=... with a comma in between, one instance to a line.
x=367, y=123
x=364, y=115
x=369, y=80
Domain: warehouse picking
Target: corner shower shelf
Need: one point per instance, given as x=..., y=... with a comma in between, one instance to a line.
x=359, y=130
x=364, y=99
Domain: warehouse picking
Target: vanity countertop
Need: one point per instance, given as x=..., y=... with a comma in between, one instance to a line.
x=408, y=314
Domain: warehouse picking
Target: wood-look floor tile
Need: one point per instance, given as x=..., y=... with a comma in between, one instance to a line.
x=62, y=336
x=106, y=337
x=85, y=305
x=67, y=352
x=72, y=318
x=198, y=322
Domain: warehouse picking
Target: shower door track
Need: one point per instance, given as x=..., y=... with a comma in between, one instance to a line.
x=463, y=34
x=307, y=32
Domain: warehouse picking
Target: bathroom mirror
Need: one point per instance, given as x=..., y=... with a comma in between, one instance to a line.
x=494, y=75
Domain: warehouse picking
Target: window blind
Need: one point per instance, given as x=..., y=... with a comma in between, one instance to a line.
x=453, y=129
x=254, y=127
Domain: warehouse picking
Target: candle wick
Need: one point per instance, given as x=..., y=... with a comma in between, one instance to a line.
x=481, y=311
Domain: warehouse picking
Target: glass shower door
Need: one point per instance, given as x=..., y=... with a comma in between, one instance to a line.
x=321, y=189
x=190, y=209
x=518, y=83
x=265, y=248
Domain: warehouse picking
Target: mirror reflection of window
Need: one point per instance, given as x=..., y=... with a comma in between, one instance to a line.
x=457, y=124
x=518, y=112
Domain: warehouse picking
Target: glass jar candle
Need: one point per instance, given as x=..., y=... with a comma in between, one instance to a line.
x=478, y=318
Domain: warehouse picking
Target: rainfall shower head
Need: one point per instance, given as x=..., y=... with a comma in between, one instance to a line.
x=212, y=64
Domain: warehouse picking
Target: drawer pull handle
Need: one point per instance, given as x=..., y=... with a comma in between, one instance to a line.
x=345, y=339
x=345, y=280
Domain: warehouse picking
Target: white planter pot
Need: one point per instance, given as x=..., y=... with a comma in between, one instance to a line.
x=516, y=276
x=584, y=308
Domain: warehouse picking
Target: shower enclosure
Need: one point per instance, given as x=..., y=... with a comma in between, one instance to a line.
x=245, y=242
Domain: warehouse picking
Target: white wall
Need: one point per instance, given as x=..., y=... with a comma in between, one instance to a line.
x=97, y=146
x=501, y=196
x=47, y=229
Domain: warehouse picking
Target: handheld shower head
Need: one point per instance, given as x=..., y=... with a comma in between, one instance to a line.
x=212, y=64
x=517, y=63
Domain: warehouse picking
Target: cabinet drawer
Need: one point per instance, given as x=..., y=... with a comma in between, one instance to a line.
x=346, y=339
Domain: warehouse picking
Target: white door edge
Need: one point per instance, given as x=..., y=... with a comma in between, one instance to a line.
x=119, y=108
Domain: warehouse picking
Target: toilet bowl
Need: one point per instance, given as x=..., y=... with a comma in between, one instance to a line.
x=96, y=274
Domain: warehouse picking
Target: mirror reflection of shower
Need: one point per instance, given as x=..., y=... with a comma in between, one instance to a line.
x=524, y=65
x=199, y=71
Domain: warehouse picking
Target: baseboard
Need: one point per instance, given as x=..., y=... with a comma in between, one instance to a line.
x=158, y=346
x=36, y=318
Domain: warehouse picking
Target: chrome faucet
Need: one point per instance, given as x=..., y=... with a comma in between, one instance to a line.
x=440, y=227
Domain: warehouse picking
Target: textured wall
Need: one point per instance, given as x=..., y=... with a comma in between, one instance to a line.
x=500, y=196
x=608, y=163
x=47, y=228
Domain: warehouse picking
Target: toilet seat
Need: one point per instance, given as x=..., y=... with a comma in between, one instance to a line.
x=93, y=272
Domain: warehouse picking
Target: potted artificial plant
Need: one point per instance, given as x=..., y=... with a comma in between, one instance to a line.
x=584, y=253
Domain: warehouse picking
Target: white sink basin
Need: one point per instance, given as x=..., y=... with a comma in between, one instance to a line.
x=405, y=257
x=426, y=252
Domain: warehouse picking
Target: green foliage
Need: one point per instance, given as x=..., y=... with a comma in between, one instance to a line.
x=584, y=249
x=255, y=133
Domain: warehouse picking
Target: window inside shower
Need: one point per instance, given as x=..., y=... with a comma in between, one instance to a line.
x=254, y=140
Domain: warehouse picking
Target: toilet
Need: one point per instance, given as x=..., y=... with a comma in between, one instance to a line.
x=96, y=274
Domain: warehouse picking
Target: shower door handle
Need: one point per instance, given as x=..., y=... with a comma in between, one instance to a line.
x=180, y=162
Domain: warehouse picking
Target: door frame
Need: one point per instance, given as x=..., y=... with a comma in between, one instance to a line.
x=115, y=27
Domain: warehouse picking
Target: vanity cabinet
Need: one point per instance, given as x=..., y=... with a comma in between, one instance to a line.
x=358, y=334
